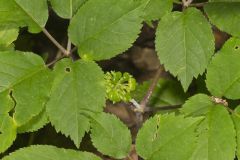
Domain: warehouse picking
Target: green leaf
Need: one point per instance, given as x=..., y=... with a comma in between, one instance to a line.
x=7, y=132
x=104, y=28
x=185, y=44
x=110, y=136
x=7, y=48
x=35, y=123
x=21, y=13
x=223, y=74
x=231, y=46
x=78, y=88
x=236, y=120
x=166, y=93
x=197, y=105
x=44, y=152
x=167, y=137
x=24, y=84
x=155, y=9
x=229, y=20
x=8, y=35
x=7, y=102
x=66, y=8
x=216, y=136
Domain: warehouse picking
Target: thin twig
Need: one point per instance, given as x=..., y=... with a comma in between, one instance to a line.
x=55, y=60
x=54, y=41
x=198, y=4
x=148, y=95
x=229, y=110
x=69, y=47
x=74, y=49
x=130, y=158
x=146, y=98
x=135, y=104
x=156, y=108
x=223, y=102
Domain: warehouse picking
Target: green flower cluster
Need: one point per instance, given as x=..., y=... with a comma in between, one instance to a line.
x=119, y=86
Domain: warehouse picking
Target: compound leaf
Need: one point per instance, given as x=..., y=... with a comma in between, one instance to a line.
x=110, y=29
x=223, y=73
x=78, y=88
x=24, y=84
x=66, y=8
x=110, y=136
x=7, y=132
x=44, y=152
x=185, y=44
x=227, y=21
x=163, y=135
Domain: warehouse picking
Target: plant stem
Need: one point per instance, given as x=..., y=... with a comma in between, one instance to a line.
x=54, y=41
x=145, y=100
x=74, y=49
x=148, y=95
x=69, y=47
x=197, y=4
x=55, y=60
x=151, y=109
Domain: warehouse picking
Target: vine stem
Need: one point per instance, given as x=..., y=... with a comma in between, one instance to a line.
x=55, y=42
x=143, y=104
